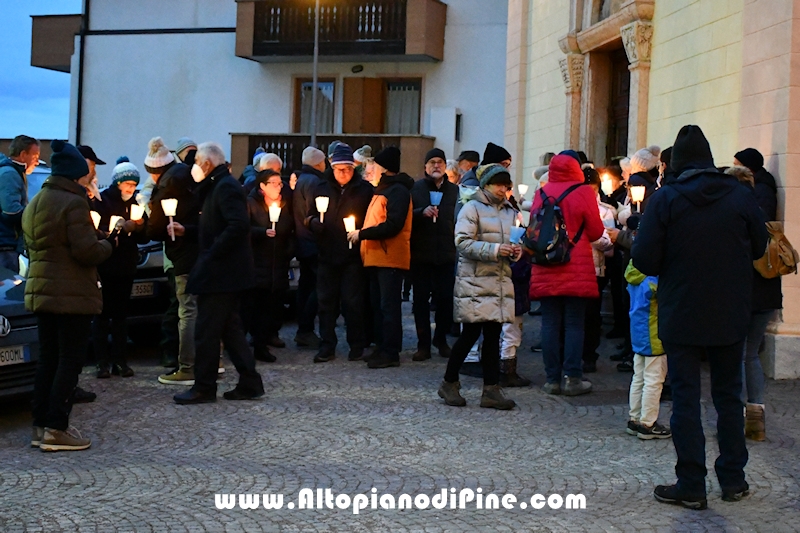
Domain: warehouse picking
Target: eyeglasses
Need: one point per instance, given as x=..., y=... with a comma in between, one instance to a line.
x=275, y=183
x=436, y=163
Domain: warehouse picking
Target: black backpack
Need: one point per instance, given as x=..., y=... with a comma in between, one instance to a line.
x=546, y=238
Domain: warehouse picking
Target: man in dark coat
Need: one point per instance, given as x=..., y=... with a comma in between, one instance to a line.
x=700, y=235
x=223, y=272
x=307, y=251
x=433, y=255
x=341, y=280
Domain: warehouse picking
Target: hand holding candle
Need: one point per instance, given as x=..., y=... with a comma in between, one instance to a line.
x=274, y=214
x=322, y=206
x=170, y=207
x=436, y=199
x=349, y=227
x=517, y=232
x=137, y=212
x=112, y=225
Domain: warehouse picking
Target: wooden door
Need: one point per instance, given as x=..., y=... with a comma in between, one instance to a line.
x=619, y=105
x=364, y=105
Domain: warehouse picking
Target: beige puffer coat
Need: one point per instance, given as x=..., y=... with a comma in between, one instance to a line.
x=484, y=291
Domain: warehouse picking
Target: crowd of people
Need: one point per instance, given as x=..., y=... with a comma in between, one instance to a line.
x=671, y=236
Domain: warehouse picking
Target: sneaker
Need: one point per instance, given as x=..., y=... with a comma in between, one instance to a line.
x=656, y=431
x=536, y=347
x=671, y=494
x=552, y=388
x=736, y=495
x=576, y=387
x=122, y=370
x=54, y=440
x=633, y=428
x=179, y=377
x=36, y=436
x=103, y=372
x=307, y=339
x=421, y=355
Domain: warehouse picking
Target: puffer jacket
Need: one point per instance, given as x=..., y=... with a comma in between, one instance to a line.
x=577, y=277
x=64, y=251
x=644, y=312
x=13, y=199
x=603, y=247
x=484, y=291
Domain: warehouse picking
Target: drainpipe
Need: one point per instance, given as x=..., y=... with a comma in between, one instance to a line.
x=81, y=52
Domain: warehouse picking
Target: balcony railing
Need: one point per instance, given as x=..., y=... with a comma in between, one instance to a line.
x=289, y=147
x=365, y=30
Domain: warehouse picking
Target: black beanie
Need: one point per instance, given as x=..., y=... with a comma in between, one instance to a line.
x=691, y=150
x=389, y=158
x=494, y=154
x=436, y=152
x=751, y=158
x=469, y=155
x=67, y=161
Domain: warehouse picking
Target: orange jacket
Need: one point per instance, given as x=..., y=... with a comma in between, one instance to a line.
x=386, y=235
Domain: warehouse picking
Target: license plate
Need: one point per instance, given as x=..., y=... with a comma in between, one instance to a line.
x=12, y=355
x=143, y=290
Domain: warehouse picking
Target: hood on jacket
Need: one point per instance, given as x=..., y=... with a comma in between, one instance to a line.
x=564, y=169
x=633, y=276
x=704, y=187
x=763, y=177
x=482, y=196
x=6, y=161
x=387, y=181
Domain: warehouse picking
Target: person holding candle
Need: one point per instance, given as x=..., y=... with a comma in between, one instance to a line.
x=273, y=239
x=645, y=167
x=341, y=280
x=174, y=181
x=221, y=276
x=118, y=271
x=433, y=255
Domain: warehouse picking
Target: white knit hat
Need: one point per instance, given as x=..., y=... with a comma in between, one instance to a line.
x=645, y=159
x=313, y=156
x=158, y=156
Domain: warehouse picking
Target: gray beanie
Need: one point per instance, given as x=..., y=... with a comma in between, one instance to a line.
x=313, y=156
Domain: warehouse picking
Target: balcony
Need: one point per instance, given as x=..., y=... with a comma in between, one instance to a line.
x=53, y=41
x=271, y=31
x=289, y=147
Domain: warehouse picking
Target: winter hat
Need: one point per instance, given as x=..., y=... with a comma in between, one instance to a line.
x=342, y=154
x=691, y=150
x=469, y=155
x=257, y=155
x=436, y=152
x=332, y=147
x=389, y=158
x=493, y=173
x=67, y=161
x=88, y=153
x=751, y=158
x=313, y=156
x=625, y=164
x=158, y=156
x=184, y=143
x=645, y=159
x=572, y=153
x=494, y=154
x=124, y=171
x=363, y=154
x=540, y=171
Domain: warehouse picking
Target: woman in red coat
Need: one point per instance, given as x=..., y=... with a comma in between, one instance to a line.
x=564, y=289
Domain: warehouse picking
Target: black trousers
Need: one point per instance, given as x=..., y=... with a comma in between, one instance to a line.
x=218, y=320
x=725, y=363
x=113, y=320
x=386, y=286
x=170, y=341
x=490, y=353
x=615, y=270
x=341, y=288
x=593, y=324
x=432, y=282
x=63, y=341
x=307, y=294
x=262, y=313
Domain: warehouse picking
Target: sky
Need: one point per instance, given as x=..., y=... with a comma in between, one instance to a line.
x=33, y=101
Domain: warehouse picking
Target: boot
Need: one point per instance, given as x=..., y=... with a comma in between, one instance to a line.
x=576, y=387
x=494, y=398
x=449, y=392
x=754, y=422
x=509, y=376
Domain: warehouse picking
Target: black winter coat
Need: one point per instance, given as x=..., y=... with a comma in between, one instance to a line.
x=700, y=235
x=176, y=182
x=307, y=181
x=271, y=255
x=351, y=200
x=433, y=243
x=767, y=293
x=123, y=260
x=225, y=261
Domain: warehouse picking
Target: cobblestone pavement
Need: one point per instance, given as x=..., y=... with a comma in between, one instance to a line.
x=155, y=466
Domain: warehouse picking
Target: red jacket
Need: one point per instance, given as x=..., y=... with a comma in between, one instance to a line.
x=577, y=277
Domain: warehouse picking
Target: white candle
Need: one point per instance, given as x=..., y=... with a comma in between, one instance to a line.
x=607, y=185
x=115, y=219
x=350, y=226
x=322, y=206
x=522, y=188
x=637, y=195
x=170, y=206
x=95, y=219
x=274, y=214
x=137, y=212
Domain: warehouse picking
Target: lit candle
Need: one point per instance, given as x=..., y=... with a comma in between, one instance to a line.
x=170, y=207
x=95, y=219
x=350, y=226
x=274, y=214
x=637, y=195
x=606, y=185
x=322, y=206
x=522, y=188
x=137, y=212
x=115, y=219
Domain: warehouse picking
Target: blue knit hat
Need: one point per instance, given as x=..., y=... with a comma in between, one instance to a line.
x=124, y=171
x=67, y=161
x=342, y=155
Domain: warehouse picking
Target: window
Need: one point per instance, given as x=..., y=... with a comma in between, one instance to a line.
x=325, y=106
x=403, y=107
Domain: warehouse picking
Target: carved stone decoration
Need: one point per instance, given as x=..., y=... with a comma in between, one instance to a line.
x=637, y=38
x=572, y=72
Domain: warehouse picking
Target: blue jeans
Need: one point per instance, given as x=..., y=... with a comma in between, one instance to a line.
x=686, y=422
x=567, y=312
x=754, y=375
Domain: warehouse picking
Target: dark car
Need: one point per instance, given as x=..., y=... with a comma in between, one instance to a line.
x=19, y=337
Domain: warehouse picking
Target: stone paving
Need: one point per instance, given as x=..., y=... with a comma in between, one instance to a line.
x=155, y=466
